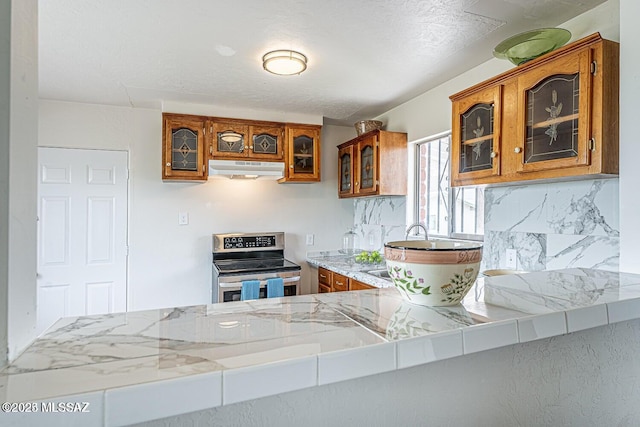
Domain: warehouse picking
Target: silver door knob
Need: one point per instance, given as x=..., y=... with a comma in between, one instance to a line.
x=493, y=154
x=517, y=150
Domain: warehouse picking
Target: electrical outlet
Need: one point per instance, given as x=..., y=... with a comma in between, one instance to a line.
x=183, y=218
x=309, y=239
x=512, y=259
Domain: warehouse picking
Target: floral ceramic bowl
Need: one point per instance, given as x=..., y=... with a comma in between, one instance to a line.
x=433, y=272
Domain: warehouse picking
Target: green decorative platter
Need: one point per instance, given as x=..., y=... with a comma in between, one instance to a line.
x=526, y=46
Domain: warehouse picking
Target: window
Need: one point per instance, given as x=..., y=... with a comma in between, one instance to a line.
x=447, y=212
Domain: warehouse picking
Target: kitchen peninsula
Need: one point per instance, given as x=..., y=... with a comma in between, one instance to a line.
x=140, y=366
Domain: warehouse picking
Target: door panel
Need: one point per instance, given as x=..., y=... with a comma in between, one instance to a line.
x=82, y=233
x=54, y=231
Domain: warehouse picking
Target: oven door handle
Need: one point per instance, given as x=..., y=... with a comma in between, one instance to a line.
x=262, y=282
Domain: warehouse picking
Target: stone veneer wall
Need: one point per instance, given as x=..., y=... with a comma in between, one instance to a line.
x=553, y=225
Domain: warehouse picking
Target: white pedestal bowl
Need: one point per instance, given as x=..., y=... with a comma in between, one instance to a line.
x=433, y=272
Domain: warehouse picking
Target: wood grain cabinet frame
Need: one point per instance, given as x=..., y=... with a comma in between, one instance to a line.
x=373, y=164
x=184, y=156
x=302, y=155
x=190, y=141
x=555, y=117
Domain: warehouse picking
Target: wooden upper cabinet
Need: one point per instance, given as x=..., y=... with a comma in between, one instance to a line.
x=553, y=117
x=556, y=114
x=188, y=142
x=373, y=164
x=229, y=140
x=266, y=142
x=245, y=139
x=183, y=148
x=366, y=166
x=475, y=138
x=302, y=159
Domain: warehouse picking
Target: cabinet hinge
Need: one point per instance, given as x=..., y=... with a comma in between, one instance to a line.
x=594, y=67
x=204, y=131
x=592, y=144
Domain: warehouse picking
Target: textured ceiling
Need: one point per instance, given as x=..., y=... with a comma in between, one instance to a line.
x=365, y=56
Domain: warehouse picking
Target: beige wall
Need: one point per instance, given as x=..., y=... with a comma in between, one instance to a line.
x=630, y=143
x=170, y=264
x=18, y=135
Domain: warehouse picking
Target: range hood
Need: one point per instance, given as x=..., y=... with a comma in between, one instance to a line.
x=245, y=169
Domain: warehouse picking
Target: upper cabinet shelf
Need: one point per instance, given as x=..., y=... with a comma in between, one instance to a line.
x=553, y=117
x=373, y=164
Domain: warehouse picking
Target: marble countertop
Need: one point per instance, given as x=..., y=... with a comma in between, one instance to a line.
x=137, y=366
x=345, y=265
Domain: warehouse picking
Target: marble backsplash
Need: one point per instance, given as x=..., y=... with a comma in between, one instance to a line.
x=555, y=225
x=551, y=226
x=378, y=220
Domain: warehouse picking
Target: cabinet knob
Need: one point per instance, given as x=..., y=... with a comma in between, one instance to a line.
x=168, y=164
x=517, y=150
x=493, y=154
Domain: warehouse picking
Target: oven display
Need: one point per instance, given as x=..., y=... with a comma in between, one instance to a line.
x=249, y=242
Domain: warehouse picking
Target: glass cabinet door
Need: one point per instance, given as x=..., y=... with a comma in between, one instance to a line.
x=366, y=163
x=265, y=142
x=476, y=128
x=555, y=116
x=475, y=139
x=183, y=148
x=345, y=168
x=303, y=153
x=230, y=140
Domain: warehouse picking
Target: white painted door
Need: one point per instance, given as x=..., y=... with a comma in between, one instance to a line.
x=82, y=233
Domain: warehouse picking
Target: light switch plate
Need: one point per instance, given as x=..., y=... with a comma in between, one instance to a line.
x=310, y=239
x=183, y=218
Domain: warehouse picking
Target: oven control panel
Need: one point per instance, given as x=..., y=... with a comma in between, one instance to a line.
x=249, y=242
x=235, y=242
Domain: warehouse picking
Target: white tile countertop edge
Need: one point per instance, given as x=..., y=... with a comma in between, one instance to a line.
x=136, y=403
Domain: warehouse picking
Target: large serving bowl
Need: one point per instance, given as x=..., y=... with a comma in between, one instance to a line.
x=433, y=272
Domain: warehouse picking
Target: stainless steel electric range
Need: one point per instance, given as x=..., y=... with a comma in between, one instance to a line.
x=250, y=256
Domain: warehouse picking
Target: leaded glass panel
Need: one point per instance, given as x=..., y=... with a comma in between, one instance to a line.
x=476, y=128
x=303, y=154
x=367, y=180
x=345, y=172
x=552, y=119
x=265, y=143
x=184, y=150
x=230, y=142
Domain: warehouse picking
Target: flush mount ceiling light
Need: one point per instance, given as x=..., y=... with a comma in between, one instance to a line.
x=284, y=62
